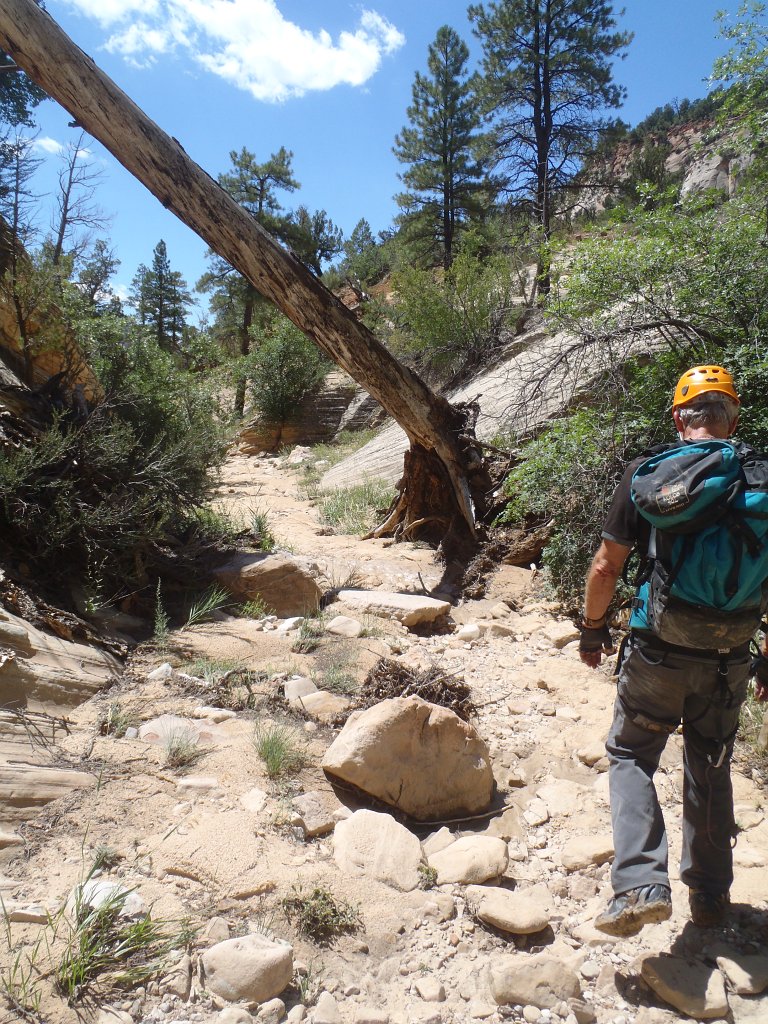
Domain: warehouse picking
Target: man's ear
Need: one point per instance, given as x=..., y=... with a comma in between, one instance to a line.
x=734, y=424
x=678, y=421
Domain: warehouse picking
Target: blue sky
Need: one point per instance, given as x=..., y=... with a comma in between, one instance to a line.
x=330, y=81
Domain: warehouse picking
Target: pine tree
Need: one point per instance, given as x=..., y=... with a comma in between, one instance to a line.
x=547, y=76
x=445, y=179
x=314, y=237
x=256, y=187
x=161, y=299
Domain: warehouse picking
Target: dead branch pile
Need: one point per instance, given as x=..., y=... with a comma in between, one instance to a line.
x=389, y=678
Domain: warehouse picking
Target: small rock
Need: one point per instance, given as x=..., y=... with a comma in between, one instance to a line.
x=326, y=1010
x=430, y=990
x=322, y=704
x=289, y=625
x=254, y=800
x=472, y=859
x=410, y=609
x=469, y=631
x=531, y=1014
x=375, y=845
x=252, y=968
x=317, y=812
x=343, y=625
x=164, y=671
x=536, y=812
x=747, y=975
x=513, y=912
x=690, y=986
x=300, y=686
x=438, y=841
x=583, y=851
x=542, y=980
x=110, y=1015
x=591, y=754
x=215, y=714
x=216, y=930
x=368, y=1015
x=234, y=1015
x=271, y=1012
x=178, y=981
x=560, y=633
x=24, y=913
x=197, y=783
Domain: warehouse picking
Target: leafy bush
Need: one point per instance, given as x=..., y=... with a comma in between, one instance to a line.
x=94, y=494
x=453, y=320
x=284, y=369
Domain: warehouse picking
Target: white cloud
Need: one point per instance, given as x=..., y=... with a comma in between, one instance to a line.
x=246, y=42
x=48, y=145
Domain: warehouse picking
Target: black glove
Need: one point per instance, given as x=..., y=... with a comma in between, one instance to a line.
x=759, y=669
x=596, y=639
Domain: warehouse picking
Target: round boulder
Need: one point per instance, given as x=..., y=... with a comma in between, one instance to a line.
x=415, y=756
x=252, y=968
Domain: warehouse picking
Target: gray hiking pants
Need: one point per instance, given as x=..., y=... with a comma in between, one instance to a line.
x=656, y=691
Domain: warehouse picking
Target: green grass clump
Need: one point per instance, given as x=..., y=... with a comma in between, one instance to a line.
x=101, y=942
x=309, y=634
x=319, y=915
x=201, y=610
x=278, y=748
x=354, y=509
x=116, y=720
x=256, y=608
x=261, y=530
x=182, y=751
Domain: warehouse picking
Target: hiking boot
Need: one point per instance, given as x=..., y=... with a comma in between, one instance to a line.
x=708, y=909
x=627, y=913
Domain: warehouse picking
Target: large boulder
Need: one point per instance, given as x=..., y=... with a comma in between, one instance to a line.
x=410, y=609
x=415, y=756
x=252, y=968
x=282, y=582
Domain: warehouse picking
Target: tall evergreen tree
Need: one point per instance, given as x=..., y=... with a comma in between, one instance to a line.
x=314, y=237
x=256, y=187
x=161, y=299
x=445, y=179
x=547, y=76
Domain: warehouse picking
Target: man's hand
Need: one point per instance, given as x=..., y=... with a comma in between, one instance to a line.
x=759, y=672
x=596, y=642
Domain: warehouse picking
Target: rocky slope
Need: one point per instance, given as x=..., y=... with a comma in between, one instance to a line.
x=467, y=918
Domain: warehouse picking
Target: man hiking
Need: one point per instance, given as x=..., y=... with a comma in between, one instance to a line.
x=697, y=513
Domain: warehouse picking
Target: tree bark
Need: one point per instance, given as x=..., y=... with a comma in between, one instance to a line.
x=433, y=426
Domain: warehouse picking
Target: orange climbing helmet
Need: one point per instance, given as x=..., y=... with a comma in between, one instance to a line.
x=703, y=379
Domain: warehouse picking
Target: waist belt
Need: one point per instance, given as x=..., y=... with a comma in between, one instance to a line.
x=650, y=641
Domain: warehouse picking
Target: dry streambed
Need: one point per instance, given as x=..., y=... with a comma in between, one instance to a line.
x=280, y=896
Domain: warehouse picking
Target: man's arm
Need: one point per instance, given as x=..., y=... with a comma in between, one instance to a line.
x=604, y=573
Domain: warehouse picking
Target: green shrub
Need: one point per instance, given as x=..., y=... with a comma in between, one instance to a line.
x=455, y=320
x=107, y=489
x=284, y=369
x=319, y=915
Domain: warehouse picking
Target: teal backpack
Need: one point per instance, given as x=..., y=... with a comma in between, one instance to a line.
x=704, y=583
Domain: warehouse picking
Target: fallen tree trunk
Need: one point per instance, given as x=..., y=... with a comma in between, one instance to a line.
x=443, y=483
